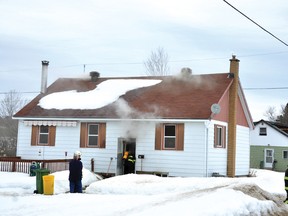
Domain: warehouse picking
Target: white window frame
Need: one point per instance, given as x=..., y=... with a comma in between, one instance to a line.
x=283, y=154
x=93, y=135
x=220, y=136
x=262, y=131
x=174, y=137
x=43, y=134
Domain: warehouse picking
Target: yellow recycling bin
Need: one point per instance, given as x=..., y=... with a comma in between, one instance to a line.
x=48, y=184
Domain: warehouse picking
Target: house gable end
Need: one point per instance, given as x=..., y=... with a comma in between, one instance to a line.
x=271, y=125
x=242, y=117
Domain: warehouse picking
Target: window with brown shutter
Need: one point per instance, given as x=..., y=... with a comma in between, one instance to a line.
x=169, y=137
x=43, y=135
x=219, y=136
x=93, y=135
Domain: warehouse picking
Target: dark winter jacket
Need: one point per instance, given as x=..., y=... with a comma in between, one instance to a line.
x=75, y=170
x=286, y=179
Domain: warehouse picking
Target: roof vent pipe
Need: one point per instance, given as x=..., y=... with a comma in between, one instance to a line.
x=186, y=72
x=44, y=76
x=94, y=75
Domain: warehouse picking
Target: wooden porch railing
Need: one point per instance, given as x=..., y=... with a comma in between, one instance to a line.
x=16, y=164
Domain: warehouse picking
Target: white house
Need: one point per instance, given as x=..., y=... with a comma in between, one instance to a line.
x=269, y=145
x=186, y=125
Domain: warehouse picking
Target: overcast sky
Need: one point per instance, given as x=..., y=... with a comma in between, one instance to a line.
x=114, y=37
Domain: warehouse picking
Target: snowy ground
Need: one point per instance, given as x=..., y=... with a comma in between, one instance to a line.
x=146, y=195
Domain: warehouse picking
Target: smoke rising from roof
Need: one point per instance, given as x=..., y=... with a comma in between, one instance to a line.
x=125, y=111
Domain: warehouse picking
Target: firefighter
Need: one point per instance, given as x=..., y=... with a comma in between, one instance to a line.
x=129, y=163
x=125, y=156
x=286, y=185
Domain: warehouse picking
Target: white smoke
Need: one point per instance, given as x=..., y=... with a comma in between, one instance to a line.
x=131, y=128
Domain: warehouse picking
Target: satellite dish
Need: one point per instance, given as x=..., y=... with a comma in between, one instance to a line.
x=215, y=108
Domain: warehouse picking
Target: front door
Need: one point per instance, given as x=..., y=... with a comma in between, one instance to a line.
x=123, y=146
x=268, y=158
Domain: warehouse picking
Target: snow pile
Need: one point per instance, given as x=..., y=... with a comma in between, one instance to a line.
x=61, y=184
x=147, y=195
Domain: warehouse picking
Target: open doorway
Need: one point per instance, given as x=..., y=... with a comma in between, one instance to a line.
x=124, y=145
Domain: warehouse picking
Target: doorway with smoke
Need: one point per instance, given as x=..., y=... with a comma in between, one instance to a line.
x=125, y=146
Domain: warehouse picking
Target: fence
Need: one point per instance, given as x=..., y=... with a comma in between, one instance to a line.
x=16, y=164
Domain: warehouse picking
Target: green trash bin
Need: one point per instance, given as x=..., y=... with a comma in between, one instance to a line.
x=261, y=164
x=39, y=179
x=34, y=165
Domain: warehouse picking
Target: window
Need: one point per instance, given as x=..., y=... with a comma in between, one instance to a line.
x=285, y=154
x=219, y=136
x=93, y=135
x=43, y=135
x=169, y=137
x=263, y=131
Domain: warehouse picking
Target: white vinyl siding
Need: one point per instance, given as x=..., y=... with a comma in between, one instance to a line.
x=242, y=151
x=67, y=140
x=217, y=157
x=190, y=162
x=273, y=138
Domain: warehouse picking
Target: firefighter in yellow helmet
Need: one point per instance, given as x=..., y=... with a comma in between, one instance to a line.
x=129, y=162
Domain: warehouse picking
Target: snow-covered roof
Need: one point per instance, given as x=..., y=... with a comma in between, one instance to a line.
x=165, y=97
x=105, y=93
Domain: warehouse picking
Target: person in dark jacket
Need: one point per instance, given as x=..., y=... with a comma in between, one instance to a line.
x=286, y=185
x=129, y=166
x=75, y=173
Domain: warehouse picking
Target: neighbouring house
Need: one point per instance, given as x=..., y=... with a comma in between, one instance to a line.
x=185, y=125
x=8, y=137
x=269, y=146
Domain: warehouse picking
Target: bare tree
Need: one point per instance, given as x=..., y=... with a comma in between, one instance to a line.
x=271, y=113
x=9, y=105
x=283, y=117
x=157, y=63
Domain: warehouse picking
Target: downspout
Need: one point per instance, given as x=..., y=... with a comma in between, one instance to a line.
x=207, y=123
x=232, y=121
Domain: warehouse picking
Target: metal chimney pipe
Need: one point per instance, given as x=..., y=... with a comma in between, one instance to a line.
x=44, y=76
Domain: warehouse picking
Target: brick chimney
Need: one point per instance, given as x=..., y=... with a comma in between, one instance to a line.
x=44, y=76
x=232, y=122
x=94, y=76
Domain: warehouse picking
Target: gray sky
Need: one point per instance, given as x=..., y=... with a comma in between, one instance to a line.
x=114, y=37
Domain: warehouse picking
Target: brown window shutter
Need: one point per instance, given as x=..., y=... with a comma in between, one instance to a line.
x=180, y=137
x=158, y=135
x=34, y=135
x=102, y=135
x=52, y=135
x=215, y=136
x=83, y=135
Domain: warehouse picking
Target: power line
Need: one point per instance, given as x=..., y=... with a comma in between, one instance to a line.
x=251, y=88
x=32, y=92
x=139, y=63
x=265, y=88
x=256, y=23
